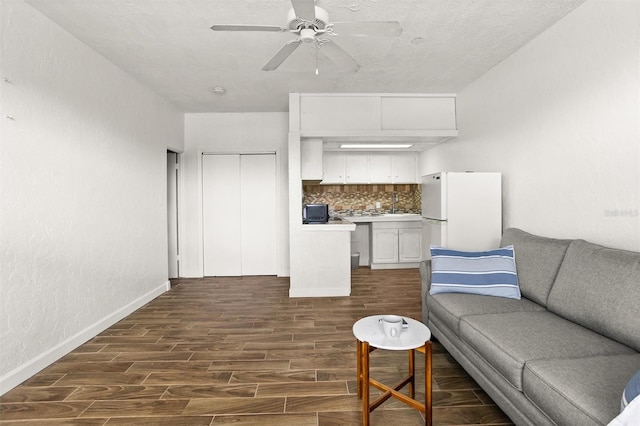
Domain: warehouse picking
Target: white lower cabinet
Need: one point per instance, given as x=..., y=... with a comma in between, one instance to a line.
x=385, y=245
x=410, y=245
x=396, y=244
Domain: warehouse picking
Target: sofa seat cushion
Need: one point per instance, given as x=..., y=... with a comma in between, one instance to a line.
x=449, y=308
x=582, y=391
x=508, y=341
x=599, y=288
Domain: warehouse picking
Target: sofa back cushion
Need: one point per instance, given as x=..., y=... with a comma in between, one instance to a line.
x=599, y=288
x=538, y=260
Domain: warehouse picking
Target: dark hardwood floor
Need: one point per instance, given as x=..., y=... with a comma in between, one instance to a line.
x=239, y=351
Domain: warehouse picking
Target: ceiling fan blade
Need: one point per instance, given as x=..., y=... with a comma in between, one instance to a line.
x=368, y=28
x=248, y=28
x=338, y=56
x=305, y=9
x=281, y=55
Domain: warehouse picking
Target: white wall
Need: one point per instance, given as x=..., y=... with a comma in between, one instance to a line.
x=560, y=118
x=230, y=133
x=83, y=217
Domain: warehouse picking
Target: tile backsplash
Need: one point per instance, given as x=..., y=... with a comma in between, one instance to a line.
x=345, y=198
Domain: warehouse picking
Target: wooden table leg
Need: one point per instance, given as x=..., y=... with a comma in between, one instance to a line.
x=412, y=374
x=363, y=350
x=359, y=367
x=365, y=383
x=428, y=384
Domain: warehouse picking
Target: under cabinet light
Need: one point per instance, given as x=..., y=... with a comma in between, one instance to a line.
x=373, y=146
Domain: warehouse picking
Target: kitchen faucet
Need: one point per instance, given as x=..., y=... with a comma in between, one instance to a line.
x=394, y=200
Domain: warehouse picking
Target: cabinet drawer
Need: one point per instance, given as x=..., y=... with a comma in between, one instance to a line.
x=412, y=224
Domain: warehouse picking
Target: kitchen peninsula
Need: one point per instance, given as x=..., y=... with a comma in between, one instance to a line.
x=394, y=241
x=326, y=255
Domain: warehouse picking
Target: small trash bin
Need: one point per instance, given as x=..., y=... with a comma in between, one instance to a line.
x=355, y=260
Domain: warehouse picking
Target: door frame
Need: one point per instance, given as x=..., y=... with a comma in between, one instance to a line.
x=177, y=188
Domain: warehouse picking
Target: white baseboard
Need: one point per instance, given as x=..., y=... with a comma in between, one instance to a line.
x=284, y=273
x=395, y=265
x=320, y=292
x=18, y=375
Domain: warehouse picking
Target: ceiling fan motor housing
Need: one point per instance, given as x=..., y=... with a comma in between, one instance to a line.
x=295, y=23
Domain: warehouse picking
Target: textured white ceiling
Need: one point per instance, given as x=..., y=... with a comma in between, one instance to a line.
x=168, y=45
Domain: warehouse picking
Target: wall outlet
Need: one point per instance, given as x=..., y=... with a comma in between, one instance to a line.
x=377, y=204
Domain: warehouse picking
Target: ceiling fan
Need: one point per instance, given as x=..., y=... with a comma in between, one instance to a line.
x=309, y=22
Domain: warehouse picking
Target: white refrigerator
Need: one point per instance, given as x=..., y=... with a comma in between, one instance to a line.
x=462, y=210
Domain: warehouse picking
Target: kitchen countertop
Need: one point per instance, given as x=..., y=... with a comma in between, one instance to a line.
x=386, y=217
x=348, y=222
x=334, y=224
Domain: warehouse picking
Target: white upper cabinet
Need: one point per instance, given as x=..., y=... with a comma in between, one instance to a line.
x=340, y=168
x=380, y=168
x=393, y=167
x=378, y=115
x=403, y=168
x=418, y=113
x=333, y=168
x=356, y=168
x=373, y=168
x=311, y=159
x=340, y=112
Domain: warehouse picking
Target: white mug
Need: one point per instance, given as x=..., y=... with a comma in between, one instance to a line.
x=392, y=325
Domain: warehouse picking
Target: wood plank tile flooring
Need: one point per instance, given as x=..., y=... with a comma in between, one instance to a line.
x=222, y=351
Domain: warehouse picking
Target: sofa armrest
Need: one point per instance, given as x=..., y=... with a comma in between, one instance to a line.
x=425, y=278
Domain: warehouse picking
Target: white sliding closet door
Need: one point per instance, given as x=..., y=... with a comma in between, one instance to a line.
x=239, y=214
x=258, y=214
x=221, y=215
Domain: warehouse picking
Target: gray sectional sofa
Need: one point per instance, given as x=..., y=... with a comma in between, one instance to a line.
x=563, y=353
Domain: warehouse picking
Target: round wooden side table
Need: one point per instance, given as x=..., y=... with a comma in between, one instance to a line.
x=369, y=337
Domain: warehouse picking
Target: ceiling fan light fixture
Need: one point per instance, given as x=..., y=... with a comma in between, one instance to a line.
x=307, y=35
x=219, y=90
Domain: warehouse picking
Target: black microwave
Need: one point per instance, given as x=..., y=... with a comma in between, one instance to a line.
x=315, y=213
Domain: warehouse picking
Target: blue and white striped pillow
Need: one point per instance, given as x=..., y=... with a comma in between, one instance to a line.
x=631, y=391
x=490, y=273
